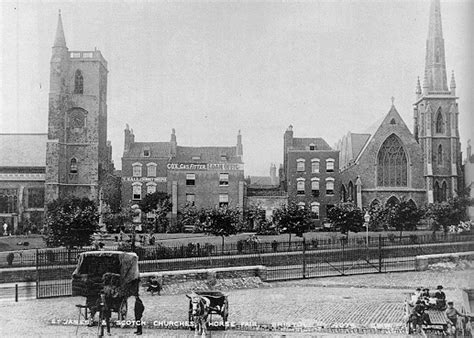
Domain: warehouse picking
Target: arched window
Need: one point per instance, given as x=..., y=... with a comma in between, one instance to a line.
x=329, y=186
x=439, y=122
x=412, y=203
x=301, y=205
x=300, y=186
x=330, y=165
x=315, y=186
x=78, y=83
x=343, y=193
x=315, y=209
x=392, y=201
x=300, y=164
x=374, y=203
x=137, y=169
x=392, y=164
x=150, y=187
x=315, y=165
x=73, y=166
x=444, y=192
x=350, y=192
x=440, y=155
x=136, y=191
x=151, y=169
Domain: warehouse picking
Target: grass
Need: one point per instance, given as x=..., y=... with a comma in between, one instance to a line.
x=9, y=243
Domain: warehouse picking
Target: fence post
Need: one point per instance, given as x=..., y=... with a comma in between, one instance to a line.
x=380, y=252
x=304, y=258
x=37, y=273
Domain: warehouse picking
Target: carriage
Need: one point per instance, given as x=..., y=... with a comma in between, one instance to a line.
x=438, y=322
x=98, y=270
x=219, y=305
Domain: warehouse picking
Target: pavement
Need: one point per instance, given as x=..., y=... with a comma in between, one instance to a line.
x=346, y=305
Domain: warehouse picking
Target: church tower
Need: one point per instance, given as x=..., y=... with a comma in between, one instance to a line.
x=436, y=117
x=77, y=153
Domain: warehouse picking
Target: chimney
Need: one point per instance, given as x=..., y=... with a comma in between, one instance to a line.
x=173, y=143
x=240, y=149
x=127, y=140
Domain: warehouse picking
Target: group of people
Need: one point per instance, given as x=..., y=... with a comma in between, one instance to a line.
x=423, y=300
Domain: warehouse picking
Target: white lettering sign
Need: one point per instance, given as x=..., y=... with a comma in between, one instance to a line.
x=145, y=179
x=203, y=166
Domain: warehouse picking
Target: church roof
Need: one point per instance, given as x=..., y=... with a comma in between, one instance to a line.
x=206, y=154
x=157, y=149
x=261, y=180
x=23, y=150
x=303, y=143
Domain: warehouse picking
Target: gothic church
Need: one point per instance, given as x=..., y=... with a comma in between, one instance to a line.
x=393, y=163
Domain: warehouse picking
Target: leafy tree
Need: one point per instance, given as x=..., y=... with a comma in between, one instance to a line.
x=111, y=192
x=405, y=216
x=293, y=219
x=450, y=212
x=346, y=217
x=189, y=215
x=378, y=217
x=159, y=203
x=221, y=222
x=71, y=222
x=115, y=221
x=255, y=216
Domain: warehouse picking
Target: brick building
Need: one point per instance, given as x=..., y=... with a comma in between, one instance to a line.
x=77, y=151
x=22, y=172
x=310, y=173
x=392, y=162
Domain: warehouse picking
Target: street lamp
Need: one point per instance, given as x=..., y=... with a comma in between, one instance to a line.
x=136, y=219
x=367, y=220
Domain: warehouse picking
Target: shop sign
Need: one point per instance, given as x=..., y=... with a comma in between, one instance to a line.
x=205, y=166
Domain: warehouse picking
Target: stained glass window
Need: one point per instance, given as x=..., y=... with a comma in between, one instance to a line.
x=439, y=122
x=392, y=164
x=78, y=83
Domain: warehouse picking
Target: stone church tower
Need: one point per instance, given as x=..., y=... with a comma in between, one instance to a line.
x=77, y=153
x=436, y=117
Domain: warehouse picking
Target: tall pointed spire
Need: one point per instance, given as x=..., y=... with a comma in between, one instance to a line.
x=59, y=40
x=435, y=63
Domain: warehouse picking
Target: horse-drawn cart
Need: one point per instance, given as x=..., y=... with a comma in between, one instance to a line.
x=112, y=273
x=432, y=321
x=218, y=304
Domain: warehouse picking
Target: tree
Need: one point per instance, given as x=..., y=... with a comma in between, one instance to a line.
x=189, y=215
x=221, y=222
x=346, y=217
x=159, y=203
x=450, y=212
x=111, y=192
x=71, y=222
x=255, y=216
x=293, y=219
x=378, y=217
x=406, y=216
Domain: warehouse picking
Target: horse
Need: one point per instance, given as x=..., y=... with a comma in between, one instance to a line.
x=200, y=307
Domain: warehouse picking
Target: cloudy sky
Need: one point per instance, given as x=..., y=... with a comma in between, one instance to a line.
x=210, y=68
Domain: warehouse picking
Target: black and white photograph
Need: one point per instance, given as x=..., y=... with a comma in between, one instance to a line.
x=244, y=168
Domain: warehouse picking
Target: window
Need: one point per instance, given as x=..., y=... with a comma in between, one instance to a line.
x=315, y=186
x=190, y=199
x=440, y=155
x=223, y=157
x=329, y=186
x=300, y=164
x=151, y=169
x=73, y=166
x=78, y=83
x=392, y=164
x=137, y=170
x=223, y=179
x=190, y=179
x=312, y=147
x=35, y=197
x=301, y=205
x=300, y=186
x=136, y=191
x=8, y=201
x=330, y=165
x=223, y=200
x=146, y=152
x=150, y=187
x=315, y=209
x=439, y=122
x=315, y=165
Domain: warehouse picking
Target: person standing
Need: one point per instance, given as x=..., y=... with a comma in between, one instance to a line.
x=452, y=315
x=139, y=308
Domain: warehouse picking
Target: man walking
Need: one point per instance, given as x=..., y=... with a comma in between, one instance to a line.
x=139, y=308
x=452, y=315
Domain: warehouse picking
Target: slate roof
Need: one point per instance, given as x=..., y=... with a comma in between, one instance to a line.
x=23, y=150
x=300, y=143
x=157, y=149
x=206, y=154
x=260, y=180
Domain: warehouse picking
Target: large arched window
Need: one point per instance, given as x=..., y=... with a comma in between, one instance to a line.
x=78, y=82
x=392, y=201
x=440, y=155
x=392, y=164
x=439, y=122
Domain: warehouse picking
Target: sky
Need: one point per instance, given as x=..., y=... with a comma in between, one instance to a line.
x=211, y=68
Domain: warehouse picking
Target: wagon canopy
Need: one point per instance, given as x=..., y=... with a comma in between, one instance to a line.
x=96, y=263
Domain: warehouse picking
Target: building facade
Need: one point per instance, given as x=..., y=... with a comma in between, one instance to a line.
x=310, y=173
x=77, y=152
x=469, y=177
x=392, y=163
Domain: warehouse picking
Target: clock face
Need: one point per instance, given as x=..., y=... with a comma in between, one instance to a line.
x=76, y=120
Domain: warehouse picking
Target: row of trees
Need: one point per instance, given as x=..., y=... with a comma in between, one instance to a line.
x=71, y=222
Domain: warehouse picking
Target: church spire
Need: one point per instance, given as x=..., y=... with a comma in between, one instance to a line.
x=59, y=40
x=435, y=63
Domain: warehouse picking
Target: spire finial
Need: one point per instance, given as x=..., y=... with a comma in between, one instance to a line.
x=60, y=40
x=453, y=81
x=393, y=100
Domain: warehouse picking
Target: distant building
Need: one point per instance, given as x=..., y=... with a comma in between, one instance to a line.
x=22, y=176
x=469, y=176
x=266, y=192
x=202, y=176
x=310, y=173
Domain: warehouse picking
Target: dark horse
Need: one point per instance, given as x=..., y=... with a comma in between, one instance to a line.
x=200, y=312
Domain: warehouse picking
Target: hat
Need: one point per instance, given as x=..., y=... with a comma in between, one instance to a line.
x=439, y=287
x=450, y=302
x=418, y=289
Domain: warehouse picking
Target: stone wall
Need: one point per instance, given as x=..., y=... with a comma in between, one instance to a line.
x=423, y=262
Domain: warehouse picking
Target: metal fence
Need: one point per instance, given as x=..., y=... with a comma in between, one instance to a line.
x=54, y=268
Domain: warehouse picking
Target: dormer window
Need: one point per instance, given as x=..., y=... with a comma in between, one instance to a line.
x=146, y=152
x=312, y=146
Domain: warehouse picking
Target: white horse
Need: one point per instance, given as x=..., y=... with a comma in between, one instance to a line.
x=200, y=312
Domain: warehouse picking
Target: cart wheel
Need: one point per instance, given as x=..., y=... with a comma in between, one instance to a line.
x=122, y=311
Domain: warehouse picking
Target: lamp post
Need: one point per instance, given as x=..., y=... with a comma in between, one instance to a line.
x=136, y=219
x=367, y=220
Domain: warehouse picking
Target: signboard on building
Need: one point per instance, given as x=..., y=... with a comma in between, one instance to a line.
x=144, y=179
x=206, y=166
